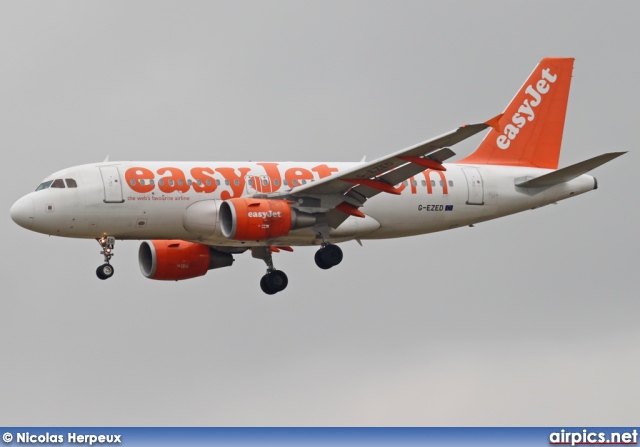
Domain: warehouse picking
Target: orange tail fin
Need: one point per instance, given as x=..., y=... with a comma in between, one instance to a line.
x=529, y=132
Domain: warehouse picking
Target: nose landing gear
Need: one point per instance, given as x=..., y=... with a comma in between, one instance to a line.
x=105, y=271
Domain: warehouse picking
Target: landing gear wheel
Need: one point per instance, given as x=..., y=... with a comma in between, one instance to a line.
x=277, y=280
x=328, y=256
x=265, y=287
x=105, y=271
x=319, y=261
x=274, y=282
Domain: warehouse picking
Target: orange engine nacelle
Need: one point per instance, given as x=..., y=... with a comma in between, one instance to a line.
x=174, y=260
x=246, y=219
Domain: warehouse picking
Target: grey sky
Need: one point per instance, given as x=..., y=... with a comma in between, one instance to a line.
x=526, y=320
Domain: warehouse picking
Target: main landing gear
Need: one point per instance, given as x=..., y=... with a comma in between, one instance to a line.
x=105, y=271
x=273, y=281
x=328, y=256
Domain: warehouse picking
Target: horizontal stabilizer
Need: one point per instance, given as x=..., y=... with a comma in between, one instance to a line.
x=566, y=174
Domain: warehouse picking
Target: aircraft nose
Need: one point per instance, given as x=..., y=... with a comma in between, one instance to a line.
x=22, y=212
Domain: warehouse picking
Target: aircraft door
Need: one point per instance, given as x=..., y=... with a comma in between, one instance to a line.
x=112, y=184
x=476, y=188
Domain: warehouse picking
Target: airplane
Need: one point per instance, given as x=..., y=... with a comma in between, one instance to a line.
x=195, y=216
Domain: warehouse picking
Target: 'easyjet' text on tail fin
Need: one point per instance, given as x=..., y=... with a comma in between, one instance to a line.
x=529, y=132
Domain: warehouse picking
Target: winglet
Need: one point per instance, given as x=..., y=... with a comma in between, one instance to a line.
x=495, y=122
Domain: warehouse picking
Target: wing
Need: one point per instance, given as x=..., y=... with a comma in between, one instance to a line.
x=410, y=161
x=342, y=193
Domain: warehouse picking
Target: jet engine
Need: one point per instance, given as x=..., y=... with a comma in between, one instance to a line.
x=174, y=260
x=246, y=219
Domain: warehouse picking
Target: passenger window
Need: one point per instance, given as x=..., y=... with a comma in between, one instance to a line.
x=405, y=183
x=57, y=183
x=71, y=183
x=226, y=182
x=276, y=182
x=44, y=185
x=414, y=183
x=265, y=183
x=217, y=182
x=285, y=183
x=424, y=183
x=250, y=182
x=450, y=182
x=441, y=183
x=208, y=182
x=236, y=182
x=433, y=183
x=133, y=182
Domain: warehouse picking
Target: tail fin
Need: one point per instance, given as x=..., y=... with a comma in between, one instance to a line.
x=529, y=132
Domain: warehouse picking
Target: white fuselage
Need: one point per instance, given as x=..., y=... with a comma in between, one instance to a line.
x=152, y=200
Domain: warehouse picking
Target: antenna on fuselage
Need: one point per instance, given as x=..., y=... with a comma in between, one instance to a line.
x=106, y=159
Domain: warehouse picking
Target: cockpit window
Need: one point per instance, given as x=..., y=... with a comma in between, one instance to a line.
x=44, y=185
x=57, y=183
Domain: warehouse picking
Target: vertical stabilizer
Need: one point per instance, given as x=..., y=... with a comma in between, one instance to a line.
x=529, y=132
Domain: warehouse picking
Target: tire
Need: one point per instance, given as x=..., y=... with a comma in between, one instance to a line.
x=265, y=286
x=331, y=255
x=319, y=260
x=277, y=280
x=105, y=271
